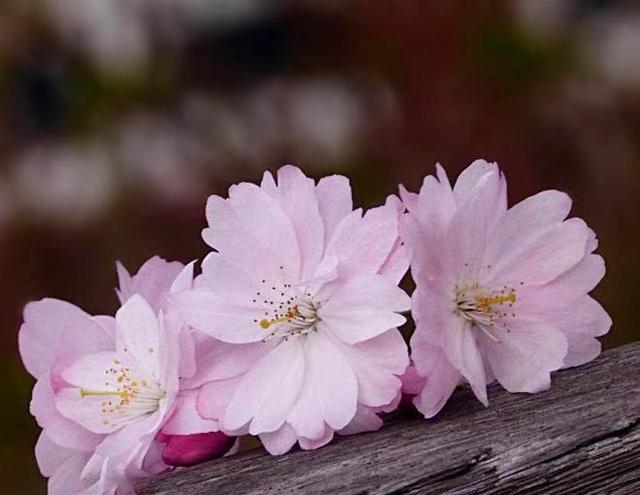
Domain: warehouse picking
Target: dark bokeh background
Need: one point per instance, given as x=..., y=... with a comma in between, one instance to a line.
x=118, y=119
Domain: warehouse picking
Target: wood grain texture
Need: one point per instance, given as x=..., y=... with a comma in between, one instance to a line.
x=580, y=437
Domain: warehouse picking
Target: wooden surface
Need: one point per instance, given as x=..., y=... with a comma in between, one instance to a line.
x=581, y=437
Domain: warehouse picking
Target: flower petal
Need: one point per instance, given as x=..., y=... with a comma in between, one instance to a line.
x=264, y=218
x=57, y=329
x=219, y=361
x=554, y=251
x=524, y=358
x=522, y=222
x=280, y=441
x=299, y=201
x=362, y=246
x=185, y=419
x=365, y=420
x=329, y=393
x=214, y=398
x=461, y=349
x=363, y=308
x=138, y=334
x=209, y=313
x=440, y=377
x=378, y=364
x=334, y=201
x=269, y=390
x=153, y=280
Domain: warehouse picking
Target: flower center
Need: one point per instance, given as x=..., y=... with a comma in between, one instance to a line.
x=487, y=309
x=127, y=394
x=286, y=311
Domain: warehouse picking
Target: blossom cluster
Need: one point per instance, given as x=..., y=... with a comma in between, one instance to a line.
x=290, y=329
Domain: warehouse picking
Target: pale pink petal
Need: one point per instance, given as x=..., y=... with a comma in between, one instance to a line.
x=330, y=390
x=572, y=284
x=188, y=450
x=396, y=264
x=227, y=234
x=269, y=390
x=461, y=349
x=89, y=370
x=363, y=246
x=423, y=263
x=363, y=308
x=49, y=455
x=439, y=377
x=378, y=364
x=365, y=420
x=581, y=321
x=299, y=201
x=214, y=397
x=209, y=313
x=185, y=419
x=334, y=201
x=54, y=328
x=85, y=411
x=220, y=361
x=60, y=429
x=153, y=280
x=470, y=176
x=66, y=479
x=266, y=220
x=431, y=312
x=316, y=443
x=280, y=441
x=582, y=349
x=268, y=184
x=132, y=438
x=553, y=252
x=138, y=333
x=522, y=222
x=187, y=354
x=227, y=280
x=184, y=279
x=409, y=199
x=524, y=358
x=469, y=228
x=436, y=204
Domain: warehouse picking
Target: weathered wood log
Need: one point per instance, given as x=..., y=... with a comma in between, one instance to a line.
x=580, y=437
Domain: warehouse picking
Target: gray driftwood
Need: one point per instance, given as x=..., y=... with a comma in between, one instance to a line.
x=581, y=437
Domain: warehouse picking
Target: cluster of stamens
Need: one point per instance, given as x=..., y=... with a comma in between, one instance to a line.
x=286, y=311
x=125, y=395
x=487, y=309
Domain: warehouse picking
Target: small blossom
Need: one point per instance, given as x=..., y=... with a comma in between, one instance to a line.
x=500, y=293
x=108, y=389
x=301, y=297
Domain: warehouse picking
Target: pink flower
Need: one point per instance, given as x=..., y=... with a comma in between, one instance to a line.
x=500, y=293
x=107, y=390
x=188, y=439
x=301, y=297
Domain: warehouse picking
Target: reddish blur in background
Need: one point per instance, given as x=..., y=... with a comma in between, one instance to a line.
x=120, y=118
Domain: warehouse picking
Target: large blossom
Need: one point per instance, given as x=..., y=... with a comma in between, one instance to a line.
x=107, y=388
x=301, y=297
x=501, y=293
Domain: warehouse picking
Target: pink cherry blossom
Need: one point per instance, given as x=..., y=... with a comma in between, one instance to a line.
x=501, y=293
x=107, y=392
x=301, y=299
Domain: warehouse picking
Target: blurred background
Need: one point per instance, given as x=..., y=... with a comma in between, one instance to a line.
x=119, y=117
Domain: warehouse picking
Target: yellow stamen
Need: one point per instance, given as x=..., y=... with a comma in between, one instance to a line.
x=84, y=392
x=485, y=303
x=264, y=323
